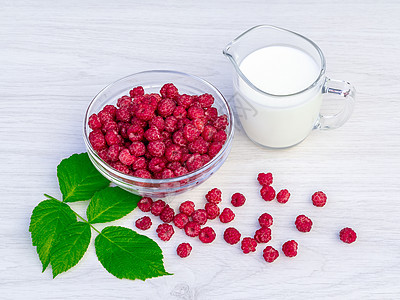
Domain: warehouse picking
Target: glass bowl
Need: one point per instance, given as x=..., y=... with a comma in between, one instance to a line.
x=152, y=81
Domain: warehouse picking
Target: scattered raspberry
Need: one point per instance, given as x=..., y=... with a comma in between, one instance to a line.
x=226, y=216
x=165, y=231
x=214, y=196
x=180, y=220
x=232, y=235
x=143, y=223
x=212, y=210
x=157, y=207
x=167, y=214
x=145, y=204
x=200, y=216
x=265, y=178
x=238, y=199
x=207, y=235
x=303, y=224
x=267, y=193
x=263, y=235
x=184, y=250
x=319, y=199
x=192, y=229
x=265, y=220
x=347, y=235
x=187, y=208
x=248, y=245
x=290, y=248
x=270, y=254
x=283, y=196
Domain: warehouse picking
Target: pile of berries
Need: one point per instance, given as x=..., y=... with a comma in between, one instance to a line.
x=158, y=136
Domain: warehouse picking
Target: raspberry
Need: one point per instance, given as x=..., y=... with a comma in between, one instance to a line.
x=173, y=153
x=137, y=91
x=110, y=125
x=199, y=146
x=94, y=122
x=140, y=163
x=248, y=245
x=97, y=139
x=206, y=158
x=135, y=133
x=184, y=100
x=199, y=123
x=221, y=122
x=165, y=232
x=270, y=254
x=226, y=216
x=126, y=158
x=112, y=137
x=110, y=109
x=137, y=148
x=144, y=112
x=143, y=223
x=152, y=134
x=184, y=250
x=265, y=178
x=180, y=112
x=181, y=171
x=187, y=208
x=105, y=117
x=167, y=173
x=178, y=138
x=220, y=136
x=156, y=165
x=124, y=101
x=200, y=216
x=303, y=224
x=157, y=122
x=145, y=204
x=267, y=193
x=123, y=114
x=290, y=248
x=113, y=152
x=238, y=199
x=319, y=199
x=180, y=220
x=347, y=235
x=195, y=112
x=174, y=165
x=212, y=210
x=190, y=132
x=157, y=207
x=103, y=153
x=142, y=173
x=194, y=162
x=156, y=148
x=214, y=196
x=214, y=149
x=211, y=114
x=265, y=220
x=207, y=235
x=283, y=196
x=206, y=100
x=232, y=235
x=208, y=133
x=192, y=229
x=166, y=107
x=167, y=214
x=263, y=235
x=169, y=90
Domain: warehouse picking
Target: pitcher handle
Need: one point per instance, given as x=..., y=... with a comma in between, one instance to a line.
x=342, y=89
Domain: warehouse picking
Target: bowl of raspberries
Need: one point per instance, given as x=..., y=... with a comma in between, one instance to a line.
x=158, y=133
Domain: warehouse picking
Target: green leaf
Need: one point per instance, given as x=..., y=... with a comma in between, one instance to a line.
x=127, y=254
x=49, y=218
x=78, y=178
x=70, y=247
x=110, y=204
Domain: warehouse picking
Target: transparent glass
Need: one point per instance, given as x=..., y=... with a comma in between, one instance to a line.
x=280, y=121
x=152, y=81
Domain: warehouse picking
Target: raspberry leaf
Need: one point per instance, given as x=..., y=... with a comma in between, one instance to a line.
x=78, y=178
x=127, y=254
x=109, y=204
x=70, y=247
x=49, y=218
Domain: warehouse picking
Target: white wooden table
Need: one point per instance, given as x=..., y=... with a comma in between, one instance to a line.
x=56, y=55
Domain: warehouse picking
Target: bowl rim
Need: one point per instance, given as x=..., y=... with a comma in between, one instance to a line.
x=124, y=176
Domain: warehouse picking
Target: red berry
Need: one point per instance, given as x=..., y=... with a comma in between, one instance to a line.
x=199, y=146
x=265, y=220
x=263, y=235
x=226, y=216
x=165, y=231
x=169, y=90
x=110, y=109
x=119, y=166
x=145, y=204
x=221, y=122
x=158, y=122
x=171, y=124
x=135, y=133
x=178, y=138
x=192, y=229
x=126, y=158
x=303, y=224
x=167, y=173
x=157, y=207
x=94, y=122
x=208, y=133
x=220, y=136
x=184, y=250
x=267, y=193
x=105, y=117
x=290, y=248
x=142, y=173
x=283, y=196
x=206, y=100
x=167, y=214
x=265, y=178
x=140, y=163
x=319, y=199
x=187, y=208
x=190, y=132
x=156, y=165
x=166, y=107
x=212, y=210
x=123, y=114
x=214, y=196
x=180, y=220
x=248, y=245
x=238, y=199
x=156, y=148
x=214, y=149
x=347, y=235
x=173, y=153
x=232, y=235
x=143, y=223
x=124, y=101
x=180, y=112
x=270, y=254
x=195, y=112
x=152, y=134
x=200, y=216
x=184, y=100
x=113, y=152
x=137, y=149
x=112, y=137
x=181, y=171
x=97, y=140
x=194, y=162
x=211, y=114
x=137, y=91
x=207, y=235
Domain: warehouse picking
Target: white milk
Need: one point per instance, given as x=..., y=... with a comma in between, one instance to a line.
x=278, y=121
